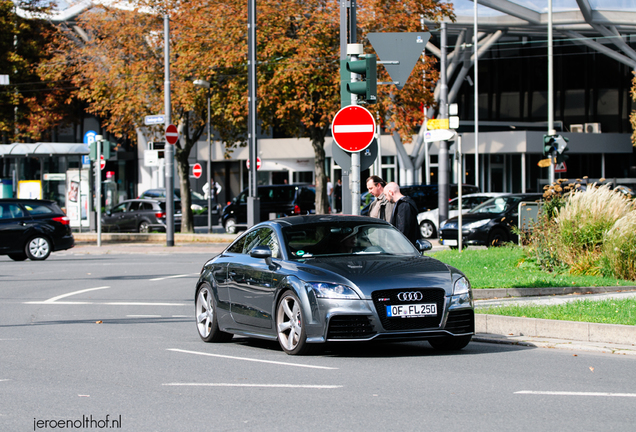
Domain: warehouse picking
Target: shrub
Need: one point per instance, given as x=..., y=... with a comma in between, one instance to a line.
x=619, y=248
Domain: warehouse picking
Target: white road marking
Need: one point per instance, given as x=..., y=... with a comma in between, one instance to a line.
x=143, y=316
x=565, y=393
x=108, y=303
x=250, y=359
x=174, y=276
x=307, y=386
x=55, y=299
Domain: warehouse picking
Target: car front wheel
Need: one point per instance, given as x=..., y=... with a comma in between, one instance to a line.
x=427, y=228
x=497, y=237
x=290, y=325
x=38, y=248
x=450, y=343
x=230, y=226
x=205, y=313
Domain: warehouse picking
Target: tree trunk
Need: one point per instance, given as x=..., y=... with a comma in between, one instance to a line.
x=318, y=143
x=183, y=168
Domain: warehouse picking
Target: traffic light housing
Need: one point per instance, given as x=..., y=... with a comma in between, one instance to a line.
x=367, y=87
x=561, y=144
x=106, y=149
x=548, y=145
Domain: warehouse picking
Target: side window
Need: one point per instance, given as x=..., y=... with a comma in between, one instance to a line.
x=38, y=209
x=135, y=206
x=262, y=237
x=10, y=211
x=237, y=247
x=146, y=206
x=242, y=199
x=454, y=205
x=121, y=208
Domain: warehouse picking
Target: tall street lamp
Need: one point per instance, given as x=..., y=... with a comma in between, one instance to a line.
x=206, y=84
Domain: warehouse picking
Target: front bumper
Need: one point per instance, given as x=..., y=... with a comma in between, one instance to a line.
x=359, y=320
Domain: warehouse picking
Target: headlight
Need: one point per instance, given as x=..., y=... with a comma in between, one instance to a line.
x=333, y=291
x=476, y=224
x=462, y=286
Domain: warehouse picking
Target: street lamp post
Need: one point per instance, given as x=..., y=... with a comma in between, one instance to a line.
x=206, y=84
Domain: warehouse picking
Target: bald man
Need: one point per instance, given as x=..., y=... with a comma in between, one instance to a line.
x=404, y=216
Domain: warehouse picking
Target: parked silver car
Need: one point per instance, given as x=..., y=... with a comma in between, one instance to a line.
x=429, y=220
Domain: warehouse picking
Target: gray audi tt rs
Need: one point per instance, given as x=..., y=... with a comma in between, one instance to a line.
x=306, y=280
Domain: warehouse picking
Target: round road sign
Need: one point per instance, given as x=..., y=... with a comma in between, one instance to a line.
x=353, y=128
x=172, y=134
x=197, y=170
x=102, y=163
x=258, y=163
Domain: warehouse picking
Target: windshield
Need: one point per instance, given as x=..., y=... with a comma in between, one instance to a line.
x=496, y=205
x=345, y=238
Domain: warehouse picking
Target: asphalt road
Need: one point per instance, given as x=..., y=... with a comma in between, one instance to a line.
x=88, y=336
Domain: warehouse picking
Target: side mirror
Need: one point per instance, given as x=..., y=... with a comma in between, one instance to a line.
x=108, y=213
x=262, y=252
x=424, y=245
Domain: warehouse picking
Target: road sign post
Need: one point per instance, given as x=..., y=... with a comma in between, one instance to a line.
x=172, y=136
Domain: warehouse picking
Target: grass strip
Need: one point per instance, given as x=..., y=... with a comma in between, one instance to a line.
x=509, y=267
x=610, y=311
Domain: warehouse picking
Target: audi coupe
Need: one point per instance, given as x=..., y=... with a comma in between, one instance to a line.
x=307, y=280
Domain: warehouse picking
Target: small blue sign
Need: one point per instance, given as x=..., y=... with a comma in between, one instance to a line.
x=86, y=160
x=89, y=137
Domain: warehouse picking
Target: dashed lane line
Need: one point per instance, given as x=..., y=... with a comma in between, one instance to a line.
x=566, y=393
x=302, y=386
x=251, y=359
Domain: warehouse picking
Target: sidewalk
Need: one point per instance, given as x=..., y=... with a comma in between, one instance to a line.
x=532, y=332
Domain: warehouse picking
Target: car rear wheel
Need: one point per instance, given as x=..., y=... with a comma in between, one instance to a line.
x=450, y=343
x=290, y=325
x=38, y=248
x=427, y=228
x=205, y=313
x=18, y=256
x=144, y=227
x=497, y=237
x=230, y=226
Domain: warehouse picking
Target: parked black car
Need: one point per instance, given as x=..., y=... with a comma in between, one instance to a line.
x=33, y=229
x=489, y=224
x=426, y=196
x=275, y=200
x=140, y=215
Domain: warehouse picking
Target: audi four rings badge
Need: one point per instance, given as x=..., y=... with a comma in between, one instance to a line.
x=410, y=296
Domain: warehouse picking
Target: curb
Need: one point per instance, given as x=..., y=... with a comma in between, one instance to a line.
x=497, y=293
x=153, y=238
x=570, y=330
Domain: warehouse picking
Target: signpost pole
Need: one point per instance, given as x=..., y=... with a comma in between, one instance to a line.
x=443, y=145
x=98, y=187
x=169, y=149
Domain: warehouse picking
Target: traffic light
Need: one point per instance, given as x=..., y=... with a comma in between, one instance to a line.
x=366, y=67
x=106, y=149
x=548, y=145
x=92, y=153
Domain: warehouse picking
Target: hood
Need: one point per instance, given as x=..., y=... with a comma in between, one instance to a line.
x=472, y=217
x=380, y=272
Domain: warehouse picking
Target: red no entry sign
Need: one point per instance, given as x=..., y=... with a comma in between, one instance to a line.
x=102, y=163
x=172, y=134
x=197, y=170
x=258, y=163
x=353, y=128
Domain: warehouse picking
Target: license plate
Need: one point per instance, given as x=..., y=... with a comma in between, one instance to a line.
x=450, y=242
x=411, y=310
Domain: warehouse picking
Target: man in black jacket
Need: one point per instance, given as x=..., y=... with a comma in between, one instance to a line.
x=404, y=216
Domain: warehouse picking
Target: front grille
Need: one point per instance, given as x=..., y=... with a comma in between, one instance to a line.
x=382, y=299
x=350, y=327
x=462, y=321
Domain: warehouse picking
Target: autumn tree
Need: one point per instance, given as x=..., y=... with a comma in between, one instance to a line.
x=29, y=107
x=115, y=62
x=632, y=117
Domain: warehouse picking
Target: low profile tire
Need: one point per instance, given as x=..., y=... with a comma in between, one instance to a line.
x=18, y=256
x=427, y=229
x=497, y=237
x=38, y=248
x=144, y=227
x=205, y=314
x=290, y=325
x=230, y=226
x=450, y=343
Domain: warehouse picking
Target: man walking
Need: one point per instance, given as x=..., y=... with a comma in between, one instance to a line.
x=404, y=216
x=381, y=208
